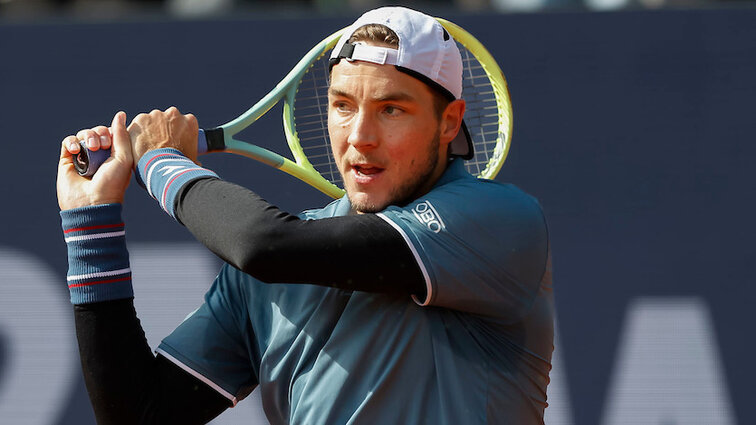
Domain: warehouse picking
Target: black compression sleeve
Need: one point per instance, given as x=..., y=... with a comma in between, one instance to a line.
x=126, y=383
x=355, y=252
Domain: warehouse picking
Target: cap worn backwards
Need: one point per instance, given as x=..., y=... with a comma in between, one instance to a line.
x=426, y=52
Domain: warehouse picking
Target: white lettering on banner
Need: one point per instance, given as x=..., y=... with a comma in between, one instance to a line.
x=426, y=214
x=41, y=361
x=668, y=370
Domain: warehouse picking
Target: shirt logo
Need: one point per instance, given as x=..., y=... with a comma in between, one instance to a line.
x=427, y=215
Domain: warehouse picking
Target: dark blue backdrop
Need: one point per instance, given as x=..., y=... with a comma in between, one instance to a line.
x=633, y=129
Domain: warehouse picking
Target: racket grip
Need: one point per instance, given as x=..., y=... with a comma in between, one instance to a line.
x=87, y=162
x=201, y=142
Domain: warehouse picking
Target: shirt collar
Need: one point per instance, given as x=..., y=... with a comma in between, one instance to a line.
x=455, y=170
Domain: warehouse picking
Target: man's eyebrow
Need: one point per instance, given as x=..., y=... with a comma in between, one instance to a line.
x=339, y=93
x=390, y=97
x=396, y=97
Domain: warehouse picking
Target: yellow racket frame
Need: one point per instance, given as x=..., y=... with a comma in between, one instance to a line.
x=301, y=167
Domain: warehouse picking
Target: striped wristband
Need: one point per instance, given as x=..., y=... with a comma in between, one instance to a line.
x=164, y=171
x=98, y=261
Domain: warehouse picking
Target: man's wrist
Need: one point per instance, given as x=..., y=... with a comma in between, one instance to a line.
x=98, y=261
x=163, y=172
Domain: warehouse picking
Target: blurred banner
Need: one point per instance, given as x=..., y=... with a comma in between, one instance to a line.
x=634, y=130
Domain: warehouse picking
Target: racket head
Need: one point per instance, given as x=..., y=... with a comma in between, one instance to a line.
x=286, y=89
x=488, y=114
x=305, y=118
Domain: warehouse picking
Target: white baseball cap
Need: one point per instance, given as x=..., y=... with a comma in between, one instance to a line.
x=426, y=52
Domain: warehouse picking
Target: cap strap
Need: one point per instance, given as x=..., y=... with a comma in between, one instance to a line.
x=368, y=53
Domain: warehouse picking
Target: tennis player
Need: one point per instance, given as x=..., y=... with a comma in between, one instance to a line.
x=421, y=297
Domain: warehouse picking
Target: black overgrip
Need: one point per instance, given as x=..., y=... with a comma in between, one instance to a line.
x=215, y=139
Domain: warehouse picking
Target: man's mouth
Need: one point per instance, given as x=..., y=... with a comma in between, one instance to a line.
x=366, y=173
x=366, y=169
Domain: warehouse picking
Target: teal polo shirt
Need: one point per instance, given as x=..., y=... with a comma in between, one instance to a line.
x=476, y=349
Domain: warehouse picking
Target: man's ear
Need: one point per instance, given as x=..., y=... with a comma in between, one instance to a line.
x=451, y=121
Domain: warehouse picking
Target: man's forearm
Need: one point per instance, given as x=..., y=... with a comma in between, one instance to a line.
x=127, y=384
x=354, y=252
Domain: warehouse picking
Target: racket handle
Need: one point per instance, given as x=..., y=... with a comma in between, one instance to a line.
x=87, y=162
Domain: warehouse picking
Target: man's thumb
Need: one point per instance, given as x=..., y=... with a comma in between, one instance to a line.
x=118, y=127
x=121, y=139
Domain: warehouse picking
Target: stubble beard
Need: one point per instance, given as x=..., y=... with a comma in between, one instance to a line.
x=411, y=190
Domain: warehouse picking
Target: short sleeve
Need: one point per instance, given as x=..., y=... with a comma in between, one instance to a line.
x=216, y=343
x=481, y=245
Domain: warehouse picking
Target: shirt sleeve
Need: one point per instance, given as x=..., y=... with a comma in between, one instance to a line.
x=482, y=247
x=216, y=343
x=274, y=246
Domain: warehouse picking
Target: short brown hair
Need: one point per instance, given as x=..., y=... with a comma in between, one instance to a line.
x=377, y=33
x=382, y=35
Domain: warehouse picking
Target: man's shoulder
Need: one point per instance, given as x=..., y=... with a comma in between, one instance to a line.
x=479, y=193
x=457, y=183
x=473, y=208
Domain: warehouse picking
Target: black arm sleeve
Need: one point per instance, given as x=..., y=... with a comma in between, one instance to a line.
x=125, y=382
x=355, y=252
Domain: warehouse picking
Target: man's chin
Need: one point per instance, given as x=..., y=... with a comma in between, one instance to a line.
x=364, y=203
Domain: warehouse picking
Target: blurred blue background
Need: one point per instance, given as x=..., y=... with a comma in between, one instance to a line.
x=631, y=126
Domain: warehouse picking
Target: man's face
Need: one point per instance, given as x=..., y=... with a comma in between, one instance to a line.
x=384, y=134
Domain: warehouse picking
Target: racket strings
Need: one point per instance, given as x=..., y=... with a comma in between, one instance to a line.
x=311, y=120
x=481, y=113
x=482, y=117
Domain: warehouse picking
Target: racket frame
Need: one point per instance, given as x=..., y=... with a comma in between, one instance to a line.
x=501, y=93
x=286, y=89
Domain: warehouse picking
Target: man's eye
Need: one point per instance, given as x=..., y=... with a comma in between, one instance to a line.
x=392, y=110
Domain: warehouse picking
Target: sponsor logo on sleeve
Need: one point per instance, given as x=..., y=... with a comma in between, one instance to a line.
x=427, y=215
x=168, y=169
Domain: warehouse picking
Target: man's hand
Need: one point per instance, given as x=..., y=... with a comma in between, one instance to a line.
x=169, y=129
x=109, y=183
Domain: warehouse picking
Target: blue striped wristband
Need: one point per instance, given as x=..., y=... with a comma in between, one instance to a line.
x=164, y=171
x=98, y=261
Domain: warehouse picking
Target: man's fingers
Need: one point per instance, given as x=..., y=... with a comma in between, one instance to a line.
x=70, y=146
x=103, y=135
x=134, y=127
x=90, y=137
x=191, y=120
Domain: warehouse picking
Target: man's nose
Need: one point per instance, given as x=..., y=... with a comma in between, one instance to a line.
x=364, y=130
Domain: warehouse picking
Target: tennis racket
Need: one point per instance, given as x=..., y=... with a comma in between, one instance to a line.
x=304, y=92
